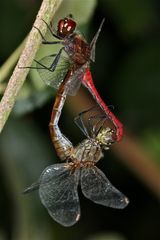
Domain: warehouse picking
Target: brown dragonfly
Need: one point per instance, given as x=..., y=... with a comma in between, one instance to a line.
x=73, y=60
x=58, y=183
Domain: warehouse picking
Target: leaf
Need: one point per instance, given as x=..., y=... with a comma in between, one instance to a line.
x=31, y=102
x=82, y=10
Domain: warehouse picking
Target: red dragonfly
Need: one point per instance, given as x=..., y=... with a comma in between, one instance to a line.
x=73, y=59
x=58, y=183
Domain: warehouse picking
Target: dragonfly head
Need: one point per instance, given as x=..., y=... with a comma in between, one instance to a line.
x=66, y=26
x=105, y=137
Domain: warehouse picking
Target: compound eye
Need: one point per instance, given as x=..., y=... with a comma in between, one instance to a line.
x=70, y=25
x=60, y=26
x=66, y=27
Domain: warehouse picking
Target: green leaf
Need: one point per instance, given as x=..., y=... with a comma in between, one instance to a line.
x=35, y=100
x=81, y=10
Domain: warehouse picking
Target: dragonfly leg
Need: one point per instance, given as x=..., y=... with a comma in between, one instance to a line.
x=44, y=40
x=53, y=66
x=56, y=60
x=82, y=125
x=54, y=42
x=49, y=28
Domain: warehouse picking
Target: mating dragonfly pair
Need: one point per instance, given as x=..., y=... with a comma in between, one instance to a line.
x=58, y=183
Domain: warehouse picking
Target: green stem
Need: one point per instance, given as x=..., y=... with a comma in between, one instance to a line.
x=46, y=12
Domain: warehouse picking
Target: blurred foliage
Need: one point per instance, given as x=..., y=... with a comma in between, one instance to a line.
x=126, y=73
x=106, y=236
x=132, y=17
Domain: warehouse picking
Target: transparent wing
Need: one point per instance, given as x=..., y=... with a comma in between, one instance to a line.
x=91, y=121
x=75, y=80
x=94, y=40
x=97, y=188
x=80, y=123
x=50, y=77
x=58, y=193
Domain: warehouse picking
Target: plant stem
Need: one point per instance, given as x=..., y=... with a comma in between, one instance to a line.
x=46, y=12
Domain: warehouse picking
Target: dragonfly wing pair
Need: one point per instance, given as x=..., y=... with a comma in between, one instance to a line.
x=58, y=193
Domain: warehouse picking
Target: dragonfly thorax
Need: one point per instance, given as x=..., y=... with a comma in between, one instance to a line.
x=77, y=49
x=88, y=150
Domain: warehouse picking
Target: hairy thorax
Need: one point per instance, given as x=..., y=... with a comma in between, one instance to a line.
x=78, y=49
x=88, y=152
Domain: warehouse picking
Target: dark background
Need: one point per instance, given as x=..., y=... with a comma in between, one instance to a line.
x=126, y=73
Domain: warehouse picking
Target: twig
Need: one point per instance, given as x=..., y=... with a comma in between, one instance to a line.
x=46, y=12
